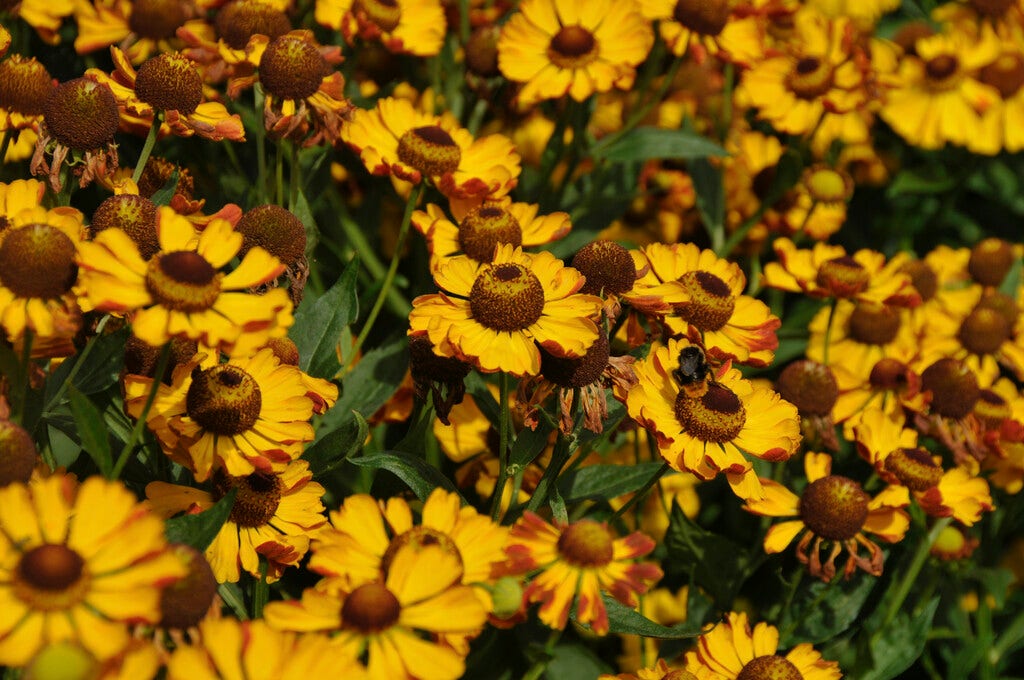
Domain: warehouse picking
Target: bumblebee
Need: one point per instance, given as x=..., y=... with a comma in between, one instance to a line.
x=692, y=374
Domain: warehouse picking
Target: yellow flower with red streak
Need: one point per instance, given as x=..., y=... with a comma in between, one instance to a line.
x=391, y=621
x=710, y=432
x=274, y=516
x=700, y=295
x=182, y=291
x=731, y=650
x=396, y=139
x=829, y=271
x=564, y=47
x=581, y=560
x=896, y=457
x=78, y=562
x=493, y=315
x=414, y=27
x=478, y=230
x=704, y=29
x=171, y=84
x=247, y=415
x=141, y=28
x=861, y=335
x=833, y=513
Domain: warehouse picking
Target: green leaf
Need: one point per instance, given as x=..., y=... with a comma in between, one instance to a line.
x=332, y=446
x=375, y=378
x=929, y=180
x=319, y=324
x=200, y=529
x=895, y=649
x=645, y=143
x=100, y=371
x=718, y=563
x=529, y=444
x=626, y=621
x=602, y=482
x=92, y=431
x=477, y=388
x=575, y=662
x=707, y=183
x=420, y=477
x=830, y=610
x=302, y=210
x=164, y=194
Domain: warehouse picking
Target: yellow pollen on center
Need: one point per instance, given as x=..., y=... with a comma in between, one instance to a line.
x=506, y=297
x=484, y=228
x=716, y=416
x=183, y=281
x=587, y=544
x=224, y=399
x=711, y=301
x=429, y=149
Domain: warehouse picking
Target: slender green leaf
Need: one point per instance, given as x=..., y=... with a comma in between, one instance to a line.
x=627, y=621
x=420, y=477
x=302, y=210
x=200, y=529
x=92, y=431
x=898, y=646
x=164, y=194
x=718, y=563
x=477, y=388
x=104, y=363
x=828, y=611
x=375, y=378
x=602, y=482
x=319, y=324
x=529, y=444
x=645, y=143
x=707, y=183
x=335, y=445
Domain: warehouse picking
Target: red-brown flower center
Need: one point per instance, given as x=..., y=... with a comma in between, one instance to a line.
x=276, y=230
x=888, y=374
x=1006, y=74
x=157, y=19
x=954, y=387
x=941, y=69
x=984, y=331
x=874, y=324
x=370, y=608
x=238, y=21
x=810, y=78
x=50, y=577
x=170, y=82
x=770, y=667
x=586, y=544
x=990, y=261
x=578, y=372
x=992, y=8
x=914, y=468
x=717, y=416
x=24, y=85
x=385, y=14
x=224, y=399
x=843, y=277
x=183, y=281
x=429, y=149
x=572, y=47
x=18, y=456
x=258, y=497
x=506, y=297
x=609, y=268
x=809, y=386
x=292, y=68
x=834, y=507
x=484, y=228
x=711, y=301
x=81, y=114
x=419, y=537
x=185, y=602
x=37, y=261
x=922, y=277
x=133, y=214
x=707, y=17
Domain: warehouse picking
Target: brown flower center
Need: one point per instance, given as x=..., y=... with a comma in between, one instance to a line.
x=609, y=268
x=157, y=174
x=1006, y=74
x=276, y=230
x=18, y=456
x=385, y=14
x=24, y=85
x=1004, y=304
x=888, y=374
x=419, y=537
x=185, y=602
x=157, y=19
x=506, y=297
x=50, y=577
x=834, y=507
x=992, y=409
x=711, y=301
x=990, y=261
x=484, y=228
x=431, y=150
x=292, y=68
x=81, y=114
x=238, y=21
x=716, y=416
x=134, y=215
x=809, y=386
x=576, y=372
x=258, y=497
x=843, y=277
x=224, y=399
x=707, y=17
x=992, y=8
x=286, y=351
x=370, y=608
x=939, y=70
x=37, y=261
x=984, y=331
x=170, y=82
x=586, y=544
x=922, y=277
x=183, y=281
x=954, y=388
x=810, y=78
x=770, y=667
x=572, y=47
x=914, y=468
x=482, y=51
x=874, y=324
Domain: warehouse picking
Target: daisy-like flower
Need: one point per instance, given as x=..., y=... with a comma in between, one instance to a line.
x=78, y=562
x=579, y=560
x=1001, y=123
x=182, y=291
x=45, y=16
x=37, y=267
x=386, y=621
x=274, y=516
x=832, y=513
x=707, y=432
x=395, y=139
x=706, y=29
x=890, y=386
x=247, y=415
x=861, y=335
x=25, y=85
x=561, y=47
x=229, y=648
x=478, y=230
x=414, y=27
x=896, y=457
x=493, y=315
x=659, y=671
x=141, y=28
x=169, y=83
x=705, y=300
x=829, y=271
x=731, y=650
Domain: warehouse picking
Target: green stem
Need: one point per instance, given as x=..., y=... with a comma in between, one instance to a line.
x=503, y=453
x=260, y=591
x=279, y=174
x=559, y=457
x=26, y=376
x=8, y=138
x=261, y=148
x=642, y=493
x=140, y=424
x=389, y=279
x=1011, y=635
x=79, y=363
x=911, y=574
x=294, y=177
x=828, y=331
x=541, y=665
x=147, y=148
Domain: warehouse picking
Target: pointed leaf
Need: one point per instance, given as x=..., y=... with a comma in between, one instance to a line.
x=319, y=323
x=200, y=529
x=91, y=430
x=644, y=143
x=602, y=482
x=420, y=477
x=718, y=563
x=333, y=446
x=627, y=621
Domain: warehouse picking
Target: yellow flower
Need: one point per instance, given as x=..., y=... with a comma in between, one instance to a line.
x=862, y=334
x=141, y=28
x=582, y=560
x=403, y=26
x=493, y=315
x=705, y=29
x=248, y=415
x=45, y=16
x=395, y=139
x=708, y=433
x=566, y=47
x=731, y=650
x=390, y=620
x=78, y=562
x=181, y=291
x=833, y=513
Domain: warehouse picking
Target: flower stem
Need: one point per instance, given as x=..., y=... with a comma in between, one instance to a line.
x=147, y=148
x=82, y=358
x=642, y=493
x=828, y=331
x=503, y=418
x=260, y=591
x=389, y=279
x=261, y=148
x=8, y=138
x=294, y=177
x=279, y=174
x=26, y=376
x=140, y=424
x=911, y=574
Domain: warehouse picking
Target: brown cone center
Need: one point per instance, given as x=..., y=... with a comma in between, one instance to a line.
x=224, y=399
x=292, y=68
x=587, y=544
x=157, y=19
x=711, y=301
x=717, y=416
x=843, y=277
x=707, y=17
x=873, y=324
x=37, y=261
x=24, y=85
x=914, y=468
x=429, y=149
x=506, y=297
x=183, y=281
x=370, y=608
x=834, y=507
x=385, y=14
x=257, y=500
x=572, y=47
x=484, y=228
x=770, y=667
x=810, y=78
